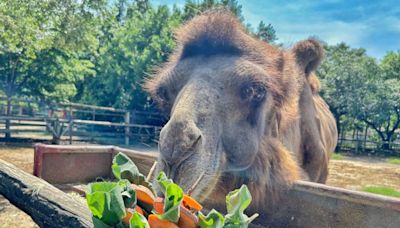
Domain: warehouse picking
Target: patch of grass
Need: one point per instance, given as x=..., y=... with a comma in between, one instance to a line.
x=393, y=160
x=336, y=156
x=381, y=190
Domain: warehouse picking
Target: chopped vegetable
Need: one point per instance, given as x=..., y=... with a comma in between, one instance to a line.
x=163, y=181
x=128, y=216
x=159, y=205
x=105, y=201
x=143, y=194
x=138, y=221
x=128, y=202
x=187, y=219
x=139, y=210
x=124, y=168
x=236, y=202
x=214, y=219
x=156, y=222
x=191, y=203
x=173, y=198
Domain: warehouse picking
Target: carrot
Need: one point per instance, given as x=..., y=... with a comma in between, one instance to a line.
x=156, y=222
x=191, y=203
x=187, y=219
x=143, y=194
x=158, y=205
x=128, y=216
x=139, y=210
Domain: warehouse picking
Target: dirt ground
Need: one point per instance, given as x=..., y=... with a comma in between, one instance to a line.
x=351, y=173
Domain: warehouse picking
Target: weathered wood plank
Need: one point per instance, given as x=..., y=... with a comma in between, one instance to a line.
x=47, y=205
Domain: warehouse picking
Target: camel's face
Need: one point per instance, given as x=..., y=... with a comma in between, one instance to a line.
x=211, y=102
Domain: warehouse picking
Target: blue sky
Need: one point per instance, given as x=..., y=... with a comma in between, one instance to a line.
x=371, y=24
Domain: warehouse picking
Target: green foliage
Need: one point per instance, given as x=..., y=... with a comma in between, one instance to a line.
x=141, y=42
x=381, y=190
x=193, y=8
x=43, y=46
x=266, y=32
x=355, y=85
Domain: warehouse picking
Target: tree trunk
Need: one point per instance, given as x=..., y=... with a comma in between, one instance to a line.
x=386, y=145
x=8, y=122
x=47, y=205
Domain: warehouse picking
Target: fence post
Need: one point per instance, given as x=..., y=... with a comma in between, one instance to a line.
x=127, y=121
x=70, y=124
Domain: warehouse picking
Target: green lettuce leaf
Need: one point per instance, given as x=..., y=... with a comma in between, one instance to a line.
x=128, y=194
x=236, y=202
x=138, y=221
x=172, y=200
x=163, y=181
x=105, y=201
x=124, y=168
x=214, y=219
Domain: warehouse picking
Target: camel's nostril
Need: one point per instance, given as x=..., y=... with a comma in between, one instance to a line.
x=196, y=141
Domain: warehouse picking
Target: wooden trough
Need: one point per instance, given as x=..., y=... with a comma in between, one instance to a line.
x=305, y=205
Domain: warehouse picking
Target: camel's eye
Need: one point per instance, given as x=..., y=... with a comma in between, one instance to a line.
x=253, y=92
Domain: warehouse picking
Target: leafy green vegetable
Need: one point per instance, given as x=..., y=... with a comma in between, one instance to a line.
x=124, y=168
x=173, y=198
x=172, y=203
x=105, y=202
x=99, y=224
x=138, y=221
x=108, y=200
x=128, y=194
x=163, y=181
x=214, y=219
x=236, y=202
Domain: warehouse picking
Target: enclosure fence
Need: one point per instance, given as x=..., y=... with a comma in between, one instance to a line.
x=73, y=123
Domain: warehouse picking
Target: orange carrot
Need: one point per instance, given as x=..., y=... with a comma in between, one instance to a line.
x=159, y=205
x=187, y=219
x=156, y=222
x=128, y=216
x=143, y=194
x=139, y=210
x=191, y=203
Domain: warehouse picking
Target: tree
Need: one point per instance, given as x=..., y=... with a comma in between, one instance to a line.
x=343, y=74
x=141, y=42
x=46, y=39
x=193, y=8
x=355, y=85
x=391, y=65
x=266, y=32
x=380, y=107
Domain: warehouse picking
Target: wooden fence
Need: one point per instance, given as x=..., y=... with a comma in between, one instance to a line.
x=359, y=146
x=72, y=122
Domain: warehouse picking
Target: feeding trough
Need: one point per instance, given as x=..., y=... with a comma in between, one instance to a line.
x=304, y=205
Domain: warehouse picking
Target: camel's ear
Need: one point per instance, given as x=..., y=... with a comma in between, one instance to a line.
x=308, y=55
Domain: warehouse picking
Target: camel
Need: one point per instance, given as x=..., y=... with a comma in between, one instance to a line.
x=241, y=111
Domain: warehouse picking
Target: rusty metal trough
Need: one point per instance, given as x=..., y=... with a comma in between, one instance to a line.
x=305, y=205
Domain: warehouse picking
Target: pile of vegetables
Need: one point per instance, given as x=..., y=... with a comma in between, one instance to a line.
x=130, y=201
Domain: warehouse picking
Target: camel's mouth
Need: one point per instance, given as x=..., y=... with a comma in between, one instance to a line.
x=197, y=175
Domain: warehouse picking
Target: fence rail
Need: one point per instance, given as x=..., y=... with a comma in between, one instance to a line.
x=359, y=146
x=75, y=122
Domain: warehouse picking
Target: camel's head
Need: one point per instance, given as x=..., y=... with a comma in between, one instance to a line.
x=223, y=90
